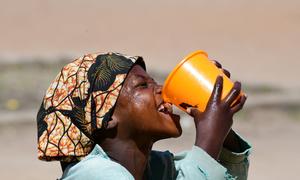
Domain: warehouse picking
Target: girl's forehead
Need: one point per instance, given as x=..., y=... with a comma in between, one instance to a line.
x=138, y=71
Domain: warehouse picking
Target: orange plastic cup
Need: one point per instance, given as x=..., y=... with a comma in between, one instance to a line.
x=191, y=82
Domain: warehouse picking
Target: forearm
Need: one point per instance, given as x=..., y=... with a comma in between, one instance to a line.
x=230, y=164
x=214, y=146
x=210, y=145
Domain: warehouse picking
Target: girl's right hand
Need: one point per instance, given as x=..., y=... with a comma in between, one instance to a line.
x=213, y=125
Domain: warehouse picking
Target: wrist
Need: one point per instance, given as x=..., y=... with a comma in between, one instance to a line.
x=209, y=144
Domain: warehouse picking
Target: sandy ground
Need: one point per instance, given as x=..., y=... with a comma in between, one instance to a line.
x=274, y=135
x=257, y=40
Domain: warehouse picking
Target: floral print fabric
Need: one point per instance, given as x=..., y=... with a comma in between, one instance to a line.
x=79, y=101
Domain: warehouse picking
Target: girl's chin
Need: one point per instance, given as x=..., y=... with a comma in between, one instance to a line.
x=171, y=126
x=176, y=127
x=170, y=117
x=170, y=134
x=178, y=132
x=172, y=131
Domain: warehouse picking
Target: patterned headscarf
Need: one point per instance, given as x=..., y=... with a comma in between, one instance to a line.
x=79, y=101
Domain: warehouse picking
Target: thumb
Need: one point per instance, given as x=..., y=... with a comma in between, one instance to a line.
x=194, y=112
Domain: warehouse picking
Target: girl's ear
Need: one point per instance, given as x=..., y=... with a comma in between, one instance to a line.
x=109, y=130
x=112, y=123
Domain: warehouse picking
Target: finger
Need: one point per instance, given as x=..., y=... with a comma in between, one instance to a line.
x=217, y=63
x=240, y=105
x=233, y=94
x=193, y=111
x=226, y=72
x=217, y=91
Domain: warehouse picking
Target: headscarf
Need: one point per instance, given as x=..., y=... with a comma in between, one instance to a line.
x=79, y=101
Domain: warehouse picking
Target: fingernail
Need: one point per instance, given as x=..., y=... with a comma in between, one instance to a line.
x=237, y=84
x=220, y=76
x=188, y=110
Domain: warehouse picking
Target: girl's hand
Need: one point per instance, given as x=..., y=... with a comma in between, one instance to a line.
x=231, y=141
x=213, y=125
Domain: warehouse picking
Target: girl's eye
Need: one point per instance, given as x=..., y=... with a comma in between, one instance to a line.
x=144, y=85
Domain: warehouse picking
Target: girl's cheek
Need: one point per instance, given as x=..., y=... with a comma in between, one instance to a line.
x=143, y=98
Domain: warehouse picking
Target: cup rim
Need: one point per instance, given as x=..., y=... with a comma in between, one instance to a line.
x=168, y=79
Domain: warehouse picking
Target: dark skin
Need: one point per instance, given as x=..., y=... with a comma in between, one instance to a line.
x=137, y=123
x=218, y=118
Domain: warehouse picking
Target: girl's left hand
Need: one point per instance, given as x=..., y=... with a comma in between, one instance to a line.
x=231, y=142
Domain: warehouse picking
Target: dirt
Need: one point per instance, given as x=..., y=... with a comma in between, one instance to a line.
x=273, y=134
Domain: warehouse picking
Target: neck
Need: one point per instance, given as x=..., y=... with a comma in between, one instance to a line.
x=131, y=154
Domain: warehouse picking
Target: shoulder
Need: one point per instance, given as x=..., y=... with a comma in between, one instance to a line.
x=97, y=167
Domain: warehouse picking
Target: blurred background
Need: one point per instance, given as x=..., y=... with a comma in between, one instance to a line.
x=258, y=41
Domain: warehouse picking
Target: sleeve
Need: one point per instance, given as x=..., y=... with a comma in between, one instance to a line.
x=237, y=163
x=97, y=170
x=197, y=164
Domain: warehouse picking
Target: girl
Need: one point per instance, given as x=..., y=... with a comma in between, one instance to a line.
x=102, y=114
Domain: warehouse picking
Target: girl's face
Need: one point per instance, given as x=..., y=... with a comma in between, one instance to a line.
x=141, y=110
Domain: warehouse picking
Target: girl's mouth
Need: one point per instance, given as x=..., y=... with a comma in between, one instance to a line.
x=165, y=107
x=166, y=110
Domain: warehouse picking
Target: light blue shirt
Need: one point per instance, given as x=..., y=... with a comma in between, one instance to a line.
x=190, y=165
